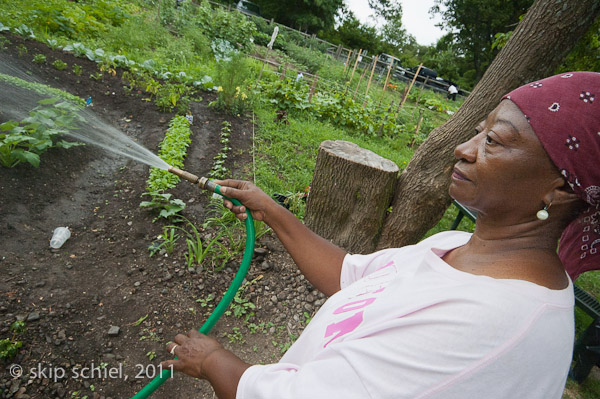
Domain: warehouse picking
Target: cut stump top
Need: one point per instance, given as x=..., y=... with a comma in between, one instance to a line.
x=356, y=154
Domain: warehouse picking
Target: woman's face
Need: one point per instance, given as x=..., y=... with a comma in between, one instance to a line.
x=503, y=171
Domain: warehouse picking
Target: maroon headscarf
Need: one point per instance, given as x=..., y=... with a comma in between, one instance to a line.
x=564, y=112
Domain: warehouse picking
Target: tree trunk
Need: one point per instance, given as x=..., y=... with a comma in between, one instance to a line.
x=537, y=47
x=351, y=190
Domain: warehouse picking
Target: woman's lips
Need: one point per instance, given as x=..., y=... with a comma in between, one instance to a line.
x=458, y=175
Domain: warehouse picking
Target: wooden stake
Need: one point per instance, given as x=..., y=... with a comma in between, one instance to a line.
x=387, y=78
x=347, y=59
x=263, y=66
x=312, y=88
x=355, y=63
x=411, y=85
x=370, y=78
x=359, y=81
x=282, y=77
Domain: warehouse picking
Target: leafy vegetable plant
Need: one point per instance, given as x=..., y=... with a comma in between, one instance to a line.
x=25, y=141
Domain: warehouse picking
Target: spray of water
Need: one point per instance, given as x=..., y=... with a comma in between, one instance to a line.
x=97, y=132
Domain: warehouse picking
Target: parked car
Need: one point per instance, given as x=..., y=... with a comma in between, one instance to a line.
x=247, y=7
x=424, y=73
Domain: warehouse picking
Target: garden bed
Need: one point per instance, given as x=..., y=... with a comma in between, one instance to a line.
x=103, y=276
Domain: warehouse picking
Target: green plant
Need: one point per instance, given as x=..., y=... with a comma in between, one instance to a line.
x=77, y=70
x=236, y=336
x=39, y=59
x=25, y=141
x=10, y=346
x=42, y=89
x=219, y=170
x=21, y=50
x=197, y=250
x=151, y=355
x=96, y=76
x=172, y=150
x=167, y=207
x=240, y=306
x=232, y=72
x=165, y=241
x=59, y=65
x=170, y=96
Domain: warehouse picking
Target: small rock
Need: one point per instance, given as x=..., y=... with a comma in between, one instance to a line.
x=265, y=266
x=40, y=284
x=113, y=331
x=33, y=316
x=137, y=284
x=258, y=251
x=274, y=299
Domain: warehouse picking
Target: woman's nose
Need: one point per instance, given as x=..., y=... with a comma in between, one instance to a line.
x=467, y=151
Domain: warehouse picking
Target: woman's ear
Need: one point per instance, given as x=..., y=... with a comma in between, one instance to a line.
x=562, y=197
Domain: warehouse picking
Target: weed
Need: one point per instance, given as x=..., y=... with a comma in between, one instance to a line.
x=59, y=65
x=236, y=336
x=39, y=59
x=151, y=355
x=22, y=50
x=77, y=70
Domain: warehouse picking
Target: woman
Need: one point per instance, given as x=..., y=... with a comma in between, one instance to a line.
x=457, y=315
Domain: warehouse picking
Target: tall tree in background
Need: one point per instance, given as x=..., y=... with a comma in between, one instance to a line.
x=473, y=25
x=310, y=15
x=538, y=46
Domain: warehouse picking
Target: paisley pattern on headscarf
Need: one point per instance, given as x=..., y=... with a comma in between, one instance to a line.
x=564, y=112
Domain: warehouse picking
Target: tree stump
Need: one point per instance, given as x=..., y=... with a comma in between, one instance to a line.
x=352, y=189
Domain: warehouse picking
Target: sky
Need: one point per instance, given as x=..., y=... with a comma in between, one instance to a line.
x=415, y=18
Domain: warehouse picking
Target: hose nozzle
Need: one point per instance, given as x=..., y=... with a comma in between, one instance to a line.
x=202, y=182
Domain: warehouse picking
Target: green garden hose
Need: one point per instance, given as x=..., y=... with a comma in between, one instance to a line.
x=223, y=304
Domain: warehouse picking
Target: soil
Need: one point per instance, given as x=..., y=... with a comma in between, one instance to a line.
x=103, y=276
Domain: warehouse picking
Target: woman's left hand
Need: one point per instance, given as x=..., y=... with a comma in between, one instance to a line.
x=192, y=351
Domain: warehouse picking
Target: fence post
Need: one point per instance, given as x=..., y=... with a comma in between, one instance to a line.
x=370, y=78
x=355, y=64
x=347, y=60
x=411, y=85
x=312, y=88
x=282, y=77
x=387, y=78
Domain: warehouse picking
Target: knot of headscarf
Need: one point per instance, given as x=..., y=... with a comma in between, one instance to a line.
x=564, y=112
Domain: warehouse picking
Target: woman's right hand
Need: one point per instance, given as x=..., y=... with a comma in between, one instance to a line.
x=249, y=195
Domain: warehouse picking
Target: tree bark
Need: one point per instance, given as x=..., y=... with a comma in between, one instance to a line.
x=351, y=190
x=537, y=47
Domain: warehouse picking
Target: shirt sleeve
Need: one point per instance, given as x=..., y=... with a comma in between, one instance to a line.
x=328, y=377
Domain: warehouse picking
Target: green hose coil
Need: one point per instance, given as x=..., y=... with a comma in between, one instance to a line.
x=223, y=304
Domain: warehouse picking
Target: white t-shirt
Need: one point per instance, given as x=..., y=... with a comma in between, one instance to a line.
x=408, y=325
x=452, y=89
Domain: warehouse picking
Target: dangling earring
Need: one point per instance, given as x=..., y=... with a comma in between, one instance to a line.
x=542, y=214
